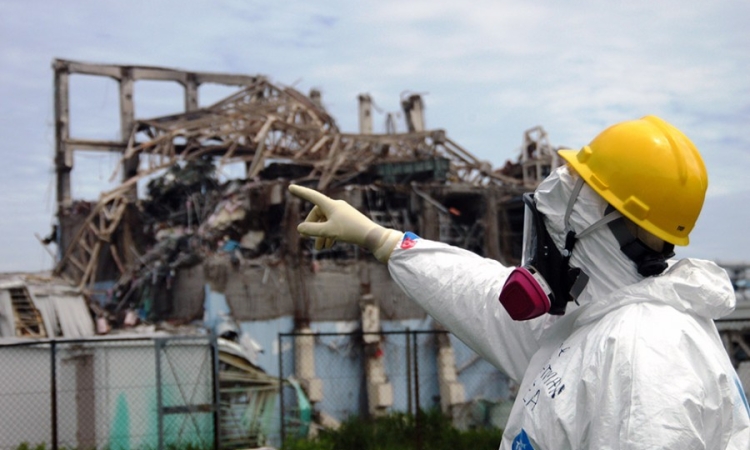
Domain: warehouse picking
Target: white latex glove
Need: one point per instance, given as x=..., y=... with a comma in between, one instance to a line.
x=331, y=220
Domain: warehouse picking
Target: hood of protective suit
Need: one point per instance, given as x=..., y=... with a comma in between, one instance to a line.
x=693, y=286
x=598, y=253
x=699, y=287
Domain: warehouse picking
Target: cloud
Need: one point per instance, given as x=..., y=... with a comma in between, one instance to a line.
x=487, y=72
x=721, y=231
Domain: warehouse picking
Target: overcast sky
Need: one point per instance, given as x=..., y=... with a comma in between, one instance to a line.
x=487, y=70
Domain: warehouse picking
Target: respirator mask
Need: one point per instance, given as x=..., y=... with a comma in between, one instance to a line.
x=545, y=282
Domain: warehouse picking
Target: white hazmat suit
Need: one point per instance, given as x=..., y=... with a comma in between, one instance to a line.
x=638, y=365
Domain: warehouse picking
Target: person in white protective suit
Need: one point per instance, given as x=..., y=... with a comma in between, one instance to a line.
x=613, y=343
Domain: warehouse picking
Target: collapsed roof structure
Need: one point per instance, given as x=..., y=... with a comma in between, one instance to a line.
x=420, y=180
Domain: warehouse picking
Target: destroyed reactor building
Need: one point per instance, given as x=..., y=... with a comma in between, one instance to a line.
x=173, y=235
x=238, y=233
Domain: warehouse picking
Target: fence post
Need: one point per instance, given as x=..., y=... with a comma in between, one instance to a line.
x=418, y=422
x=282, y=431
x=216, y=389
x=408, y=371
x=158, y=345
x=53, y=391
x=415, y=342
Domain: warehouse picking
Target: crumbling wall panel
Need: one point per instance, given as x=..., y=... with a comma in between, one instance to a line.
x=334, y=295
x=258, y=292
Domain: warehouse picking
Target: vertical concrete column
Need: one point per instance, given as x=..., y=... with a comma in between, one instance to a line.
x=491, y=226
x=414, y=112
x=451, y=390
x=365, y=114
x=317, y=98
x=379, y=389
x=63, y=154
x=191, y=93
x=127, y=121
x=304, y=364
x=85, y=400
x=429, y=220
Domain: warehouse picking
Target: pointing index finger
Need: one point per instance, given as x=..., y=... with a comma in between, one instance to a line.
x=322, y=201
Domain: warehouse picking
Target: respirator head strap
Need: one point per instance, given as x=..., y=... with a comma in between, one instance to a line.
x=648, y=261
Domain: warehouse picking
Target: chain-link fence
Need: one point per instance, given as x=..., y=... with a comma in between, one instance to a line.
x=164, y=392
x=360, y=374
x=109, y=393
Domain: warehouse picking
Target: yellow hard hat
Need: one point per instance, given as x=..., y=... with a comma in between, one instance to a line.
x=649, y=171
